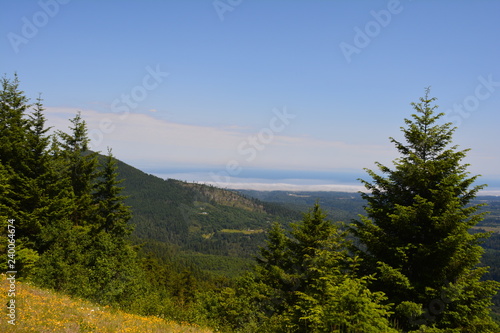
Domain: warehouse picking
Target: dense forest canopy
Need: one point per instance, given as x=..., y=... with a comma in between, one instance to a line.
x=409, y=263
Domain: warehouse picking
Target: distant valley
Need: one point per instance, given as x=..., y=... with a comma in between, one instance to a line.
x=221, y=230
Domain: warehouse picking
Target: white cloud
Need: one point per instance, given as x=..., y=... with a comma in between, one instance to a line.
x=144, y=139
x=147, y=142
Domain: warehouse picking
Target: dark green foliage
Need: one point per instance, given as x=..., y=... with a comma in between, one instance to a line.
x=62, y=265
x=14, y=156
x=235, y=308
x=194, y=216
x=311, y=284
x=13, y=126
x=90, y=241
x=75, y=212
x=71, y=223
x=111, y=214
x=304, y=282
x=24, y=160
x=415, y=235
x=80, y=168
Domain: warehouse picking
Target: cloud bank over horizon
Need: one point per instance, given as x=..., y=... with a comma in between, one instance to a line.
x=230, y=156
x=174, y=144
x=184, y=150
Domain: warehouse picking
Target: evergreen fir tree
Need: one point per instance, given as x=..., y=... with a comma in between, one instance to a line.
x=38, y=141
x=87, y=251
x=41, y=178
x=415, y=235
x=58, y=200
x=112, y=260
x=13, y=126
x=81, y=169
x=71, y=223
x=24, y=150
x=67, y=212
x=311, y=282
x=16, y=155
x=111, y=215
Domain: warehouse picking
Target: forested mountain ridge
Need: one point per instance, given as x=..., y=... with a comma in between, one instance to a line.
x=196, y=217
x=410, y=263
x=213, y=227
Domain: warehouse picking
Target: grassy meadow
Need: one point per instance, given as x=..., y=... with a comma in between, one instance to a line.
x=44, y=311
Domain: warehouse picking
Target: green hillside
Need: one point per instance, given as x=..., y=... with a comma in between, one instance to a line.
x=220, y=230
x=197, y=221
x=42, y=310
x=182, y=251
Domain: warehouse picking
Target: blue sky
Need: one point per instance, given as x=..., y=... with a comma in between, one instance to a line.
x=260, y=94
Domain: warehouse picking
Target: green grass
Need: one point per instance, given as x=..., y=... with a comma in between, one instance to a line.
x=39, y=310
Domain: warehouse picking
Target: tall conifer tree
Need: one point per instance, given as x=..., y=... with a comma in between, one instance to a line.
x=38, y=141
x=112, y=215
x=311, y=282
x=16, y=153
x=112, y=260
x=81, y=169
x=13, y=126
x=415, y=234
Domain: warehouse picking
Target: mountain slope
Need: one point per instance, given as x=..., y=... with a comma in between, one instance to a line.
x=39, y=310
x=195, y=217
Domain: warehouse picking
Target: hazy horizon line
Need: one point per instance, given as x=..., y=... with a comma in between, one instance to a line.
x=290, y=185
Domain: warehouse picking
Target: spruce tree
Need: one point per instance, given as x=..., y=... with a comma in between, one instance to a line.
x=61, y=246
x=87, y=252
x=111, y=259
x=81, y=169
x=68, y=213
x=41, y=178
x=57, y=201
x=13, y=126
x=24, y=151
x=16, y=154
x=111, y=215
x=311, y=284
x=38, y=141
x=415, y=235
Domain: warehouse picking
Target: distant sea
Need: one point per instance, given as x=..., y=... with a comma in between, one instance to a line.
x=285, y=180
